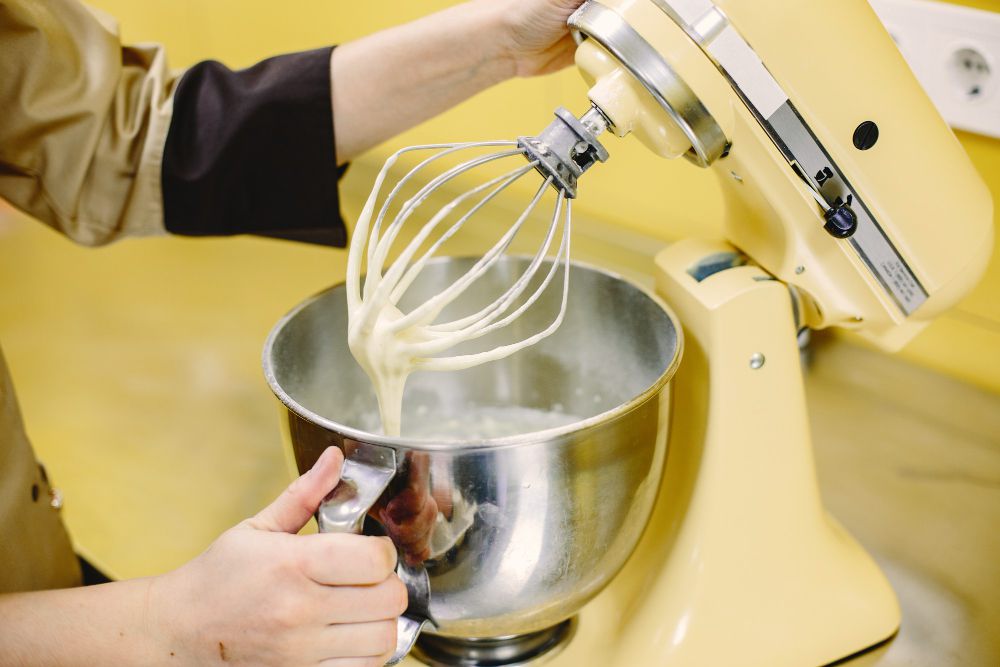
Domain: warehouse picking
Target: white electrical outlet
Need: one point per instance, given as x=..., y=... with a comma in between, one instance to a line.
x=955, y=54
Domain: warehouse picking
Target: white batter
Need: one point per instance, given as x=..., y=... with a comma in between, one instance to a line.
x=390, y=345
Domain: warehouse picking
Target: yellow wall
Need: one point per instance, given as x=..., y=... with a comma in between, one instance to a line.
x=668, y=199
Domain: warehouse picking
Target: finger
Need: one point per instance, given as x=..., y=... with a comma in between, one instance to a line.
x=358, y=640
x=344, y=559
x=361, y=604
x=561, y=55
x=296, y=505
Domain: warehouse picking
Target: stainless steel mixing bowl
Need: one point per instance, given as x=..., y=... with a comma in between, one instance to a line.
x=505, y=535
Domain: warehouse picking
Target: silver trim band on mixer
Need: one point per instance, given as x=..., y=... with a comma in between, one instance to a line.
x=710, y=29
x=606, y=27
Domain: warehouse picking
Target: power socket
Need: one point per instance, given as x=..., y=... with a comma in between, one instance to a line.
x=954, y=52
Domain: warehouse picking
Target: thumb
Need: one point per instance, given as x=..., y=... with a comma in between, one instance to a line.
x=296, y=504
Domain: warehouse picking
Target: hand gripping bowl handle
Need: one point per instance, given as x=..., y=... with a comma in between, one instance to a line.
x=366, y=473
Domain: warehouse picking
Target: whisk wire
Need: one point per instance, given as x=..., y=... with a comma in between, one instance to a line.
x=417, y=266
x=362, y=229
x=487, y=324
x=384, y=243
x=448, y=150
x=459, y=362
x=389, y=343
x=426, y=312
x=411, y=205
x=374, y=231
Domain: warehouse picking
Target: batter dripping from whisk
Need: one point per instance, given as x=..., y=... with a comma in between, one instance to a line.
x=389, y=344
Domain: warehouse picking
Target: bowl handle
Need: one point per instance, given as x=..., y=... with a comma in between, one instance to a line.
x=366, y=473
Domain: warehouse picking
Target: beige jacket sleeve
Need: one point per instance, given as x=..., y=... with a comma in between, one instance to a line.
x=83, y=121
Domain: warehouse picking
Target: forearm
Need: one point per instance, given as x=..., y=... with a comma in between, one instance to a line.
x=390, y=81
x=96, y=625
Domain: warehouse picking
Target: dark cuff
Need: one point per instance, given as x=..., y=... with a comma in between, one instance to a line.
x=252, y=152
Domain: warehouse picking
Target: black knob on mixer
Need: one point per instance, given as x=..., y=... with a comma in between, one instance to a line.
x=841, y=221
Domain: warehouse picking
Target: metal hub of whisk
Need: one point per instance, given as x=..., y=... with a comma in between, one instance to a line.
x=561, y=153
x=567, y=148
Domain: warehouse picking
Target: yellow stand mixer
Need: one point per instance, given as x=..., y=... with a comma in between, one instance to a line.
x=850, y=204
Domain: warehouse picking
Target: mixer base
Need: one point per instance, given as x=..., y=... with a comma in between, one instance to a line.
x=512, y=651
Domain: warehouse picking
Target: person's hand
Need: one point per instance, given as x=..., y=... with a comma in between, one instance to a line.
x=263, y=595
x=537, y=38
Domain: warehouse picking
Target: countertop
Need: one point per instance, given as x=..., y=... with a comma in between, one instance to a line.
x=909, y=461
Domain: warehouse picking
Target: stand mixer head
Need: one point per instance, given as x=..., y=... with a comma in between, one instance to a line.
x=840, y=177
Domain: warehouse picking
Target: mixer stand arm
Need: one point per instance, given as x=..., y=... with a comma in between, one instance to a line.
x=740, y=545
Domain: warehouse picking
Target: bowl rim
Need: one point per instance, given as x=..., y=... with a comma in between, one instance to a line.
x=421, y=444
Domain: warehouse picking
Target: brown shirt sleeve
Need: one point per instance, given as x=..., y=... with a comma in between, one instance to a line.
x=83, y=121
x=252, y=151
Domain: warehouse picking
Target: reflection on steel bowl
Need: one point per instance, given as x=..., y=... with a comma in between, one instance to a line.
x=503, y=533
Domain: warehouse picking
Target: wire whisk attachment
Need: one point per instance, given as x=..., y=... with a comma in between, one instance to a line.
x=390, y=344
